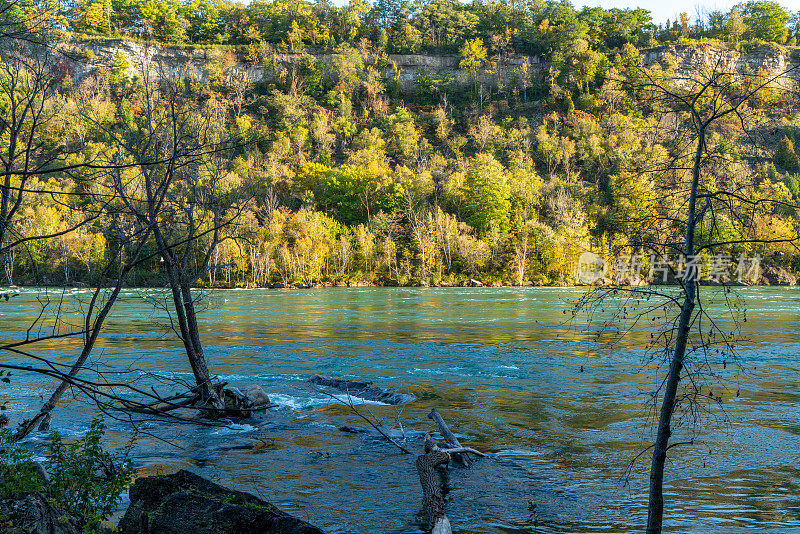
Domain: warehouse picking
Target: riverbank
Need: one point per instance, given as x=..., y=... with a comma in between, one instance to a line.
x=768, y=274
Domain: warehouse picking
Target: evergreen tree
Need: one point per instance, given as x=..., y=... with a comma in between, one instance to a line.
x=785, y=157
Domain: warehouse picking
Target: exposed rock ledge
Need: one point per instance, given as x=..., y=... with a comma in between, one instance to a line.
x=361, y=389
x=81, y=59
x=185, y=503
x=182, y=503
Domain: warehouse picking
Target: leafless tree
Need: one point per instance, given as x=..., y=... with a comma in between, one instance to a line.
x=166, y=195
x=185, y=200
x=689, y=340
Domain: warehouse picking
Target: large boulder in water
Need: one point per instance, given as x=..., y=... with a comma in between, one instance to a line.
x=256, y=395
x=242, y=401
x=186, y=503
x=32, y=513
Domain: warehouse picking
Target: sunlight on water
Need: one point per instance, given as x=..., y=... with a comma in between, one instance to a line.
x=502, y=365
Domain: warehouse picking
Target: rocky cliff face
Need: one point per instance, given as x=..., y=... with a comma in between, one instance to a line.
x=691, y=59
x=85, y=58
x=92, y=56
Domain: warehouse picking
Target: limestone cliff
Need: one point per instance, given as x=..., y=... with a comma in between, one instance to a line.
x=85, y=58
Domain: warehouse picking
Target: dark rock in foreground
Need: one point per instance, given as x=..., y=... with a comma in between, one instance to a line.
x=185, y=503
x=32, y=513
x=362, y=390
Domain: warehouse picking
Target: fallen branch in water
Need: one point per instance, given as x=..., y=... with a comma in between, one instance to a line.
x=432, y=493
x=371, y=423
x=436, y=456
x=460, y=458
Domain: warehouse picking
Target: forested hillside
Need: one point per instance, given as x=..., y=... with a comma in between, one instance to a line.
x=332, y=170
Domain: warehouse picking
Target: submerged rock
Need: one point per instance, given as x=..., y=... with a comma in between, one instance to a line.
x=362, y=389
x=186, y=503
x=32, y=513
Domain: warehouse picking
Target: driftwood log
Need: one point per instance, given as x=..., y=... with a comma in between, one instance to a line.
x=433, y=457
x=461, y=459
x=238, y=403
x=432, y=494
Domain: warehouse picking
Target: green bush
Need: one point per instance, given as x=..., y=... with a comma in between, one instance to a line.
x=18, y=472
x=85, y=479
x=792, y=182
x=785, y=157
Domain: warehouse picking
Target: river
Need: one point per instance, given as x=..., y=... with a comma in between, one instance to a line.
x=561, y=412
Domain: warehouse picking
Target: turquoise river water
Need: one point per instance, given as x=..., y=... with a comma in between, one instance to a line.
x=561, y=413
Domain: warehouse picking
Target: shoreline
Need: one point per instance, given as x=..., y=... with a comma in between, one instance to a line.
x=769, y=275
x=361, y=284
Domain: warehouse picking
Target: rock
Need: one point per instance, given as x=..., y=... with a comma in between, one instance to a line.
x=32, y=513
x=42, y=473
x=778, y=276
x=256, y=395
x=352, y=430
x=362, y=390
x=240, y=402
x=186, y=503
x=3, y=420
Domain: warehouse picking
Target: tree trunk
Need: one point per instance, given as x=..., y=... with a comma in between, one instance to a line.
x=187, y=325
x=655, y=505
x=432, y=495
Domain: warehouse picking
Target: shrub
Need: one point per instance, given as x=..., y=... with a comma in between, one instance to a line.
x=18, y=472
x=785, y=157
x=85, y=479
x=792, y=182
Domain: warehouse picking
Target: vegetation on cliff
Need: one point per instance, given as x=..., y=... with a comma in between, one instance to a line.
x=404, y=26
x=335, y=174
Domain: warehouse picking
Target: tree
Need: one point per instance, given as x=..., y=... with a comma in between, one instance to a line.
x=446, y=22
x=473, y=55
x=766, y=20
x=785, y=157
x=164, y=20
x=735, y=26
x=402, y=134
x=185, y=201
x=348, y=66
x=29, y=122
x=688, y=342
x=488, y=194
